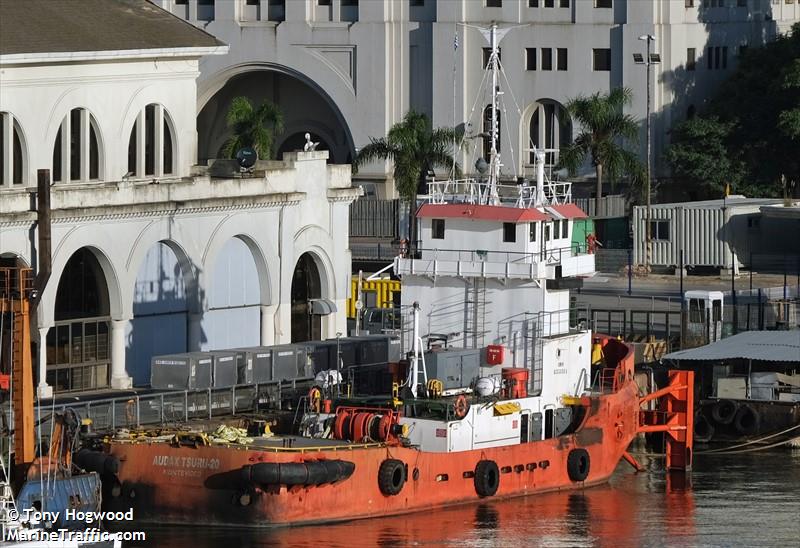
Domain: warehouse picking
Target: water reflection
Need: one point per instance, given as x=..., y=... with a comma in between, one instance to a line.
x=734, y=500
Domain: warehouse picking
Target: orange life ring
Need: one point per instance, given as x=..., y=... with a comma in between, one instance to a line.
x=461, y=406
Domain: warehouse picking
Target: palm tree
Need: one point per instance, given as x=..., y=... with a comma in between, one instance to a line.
x=603, y=126
x=252, y=127
x=415, y=148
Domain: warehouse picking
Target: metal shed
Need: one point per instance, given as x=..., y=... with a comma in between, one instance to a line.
x=708, y=231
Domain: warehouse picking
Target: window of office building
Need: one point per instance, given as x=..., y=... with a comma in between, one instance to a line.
x=603, y=3
x=530, y=58
x=691, y=61
x=547, y=59
x=601, y=59
x=562, y=58
x=13, y=161
x=76, y=153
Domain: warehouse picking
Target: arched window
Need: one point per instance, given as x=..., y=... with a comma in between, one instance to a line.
x=76, y=154
x=13, y=163
x=150, y=147
x=550, y=128
x=487, y=131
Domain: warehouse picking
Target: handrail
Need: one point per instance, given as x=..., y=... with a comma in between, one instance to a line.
x=549, y=255
x=178, y=405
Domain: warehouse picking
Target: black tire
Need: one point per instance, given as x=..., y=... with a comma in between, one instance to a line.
x=724, y=411
x=578, y=464
x=391, y=477
x=487, y=478
x=703, y=429
x=747, y=421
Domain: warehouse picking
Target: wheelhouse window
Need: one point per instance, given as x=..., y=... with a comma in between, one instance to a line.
x=532, y=232
x=556, y=229
x=437, y=229
x=509, y=232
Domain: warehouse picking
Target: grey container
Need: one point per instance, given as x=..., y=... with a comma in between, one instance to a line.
x=181, y=371
x=224, y=373
x=254, y=364
x=290, y=361
x=456, y=368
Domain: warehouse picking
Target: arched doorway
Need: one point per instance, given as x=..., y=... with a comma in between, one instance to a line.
x=78, y=344
x=233, y=318
x=306, y=286
x=160, y=309
x=305, y=108
x=549, y=127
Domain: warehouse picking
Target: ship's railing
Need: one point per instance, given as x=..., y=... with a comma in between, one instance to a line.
x=133, y=411
x=478, y=191
x=549, y=255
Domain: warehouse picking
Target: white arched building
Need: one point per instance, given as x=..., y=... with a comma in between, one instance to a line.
x=151, y=254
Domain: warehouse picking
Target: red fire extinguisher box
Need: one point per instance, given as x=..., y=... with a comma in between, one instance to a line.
x=495, y=354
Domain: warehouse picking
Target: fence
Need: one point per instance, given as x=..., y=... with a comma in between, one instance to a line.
x=374, y=219
x=610, y=206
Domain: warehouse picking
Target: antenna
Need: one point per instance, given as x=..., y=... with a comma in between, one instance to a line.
x=246, y=158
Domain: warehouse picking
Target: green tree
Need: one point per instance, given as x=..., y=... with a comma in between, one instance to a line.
x=755, y=116
x=604, y=127
x=415, y=148
x=252, y=127
x=699, y=155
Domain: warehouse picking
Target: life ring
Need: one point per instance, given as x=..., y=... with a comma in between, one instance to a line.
x=461, y=406
x=315, y=399
x=724, y=411
x=578, y=464
x=703, y=429
x=747, y=421
x=487, y=478
x=391, y=477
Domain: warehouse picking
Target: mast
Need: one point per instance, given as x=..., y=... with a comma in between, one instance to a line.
x=494, y=156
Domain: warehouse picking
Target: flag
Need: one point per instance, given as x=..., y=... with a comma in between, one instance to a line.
x=455, y=41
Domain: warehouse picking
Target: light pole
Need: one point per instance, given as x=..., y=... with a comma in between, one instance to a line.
x=651, y=59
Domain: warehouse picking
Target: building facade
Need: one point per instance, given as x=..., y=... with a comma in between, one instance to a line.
x=151, y=253
x=354, y=68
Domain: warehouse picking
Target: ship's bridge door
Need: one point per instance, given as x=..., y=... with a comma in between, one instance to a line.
x=524, y=427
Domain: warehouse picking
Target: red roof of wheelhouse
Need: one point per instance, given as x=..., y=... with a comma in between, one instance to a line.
x=569, y=211
x=504, y=214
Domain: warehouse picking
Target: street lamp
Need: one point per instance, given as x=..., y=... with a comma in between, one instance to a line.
x=651, y=59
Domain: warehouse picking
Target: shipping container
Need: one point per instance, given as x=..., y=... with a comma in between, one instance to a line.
x=713, y=233
x=224, y=372
x=191, y=371
x=253, y=364
x=290, y=361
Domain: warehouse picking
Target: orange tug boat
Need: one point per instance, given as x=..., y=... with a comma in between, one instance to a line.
x=493, y=269
x=318, y=480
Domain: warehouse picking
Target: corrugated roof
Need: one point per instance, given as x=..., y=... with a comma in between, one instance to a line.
x=732, y=202
x=503, y=214
x=769, y=346
x=56, y=26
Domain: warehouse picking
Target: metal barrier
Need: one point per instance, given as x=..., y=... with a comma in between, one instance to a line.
x=170, y=407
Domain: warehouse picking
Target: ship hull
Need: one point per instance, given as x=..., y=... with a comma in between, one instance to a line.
x=204, y=485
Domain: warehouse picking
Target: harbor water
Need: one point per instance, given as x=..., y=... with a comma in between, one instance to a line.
x=745, y=499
